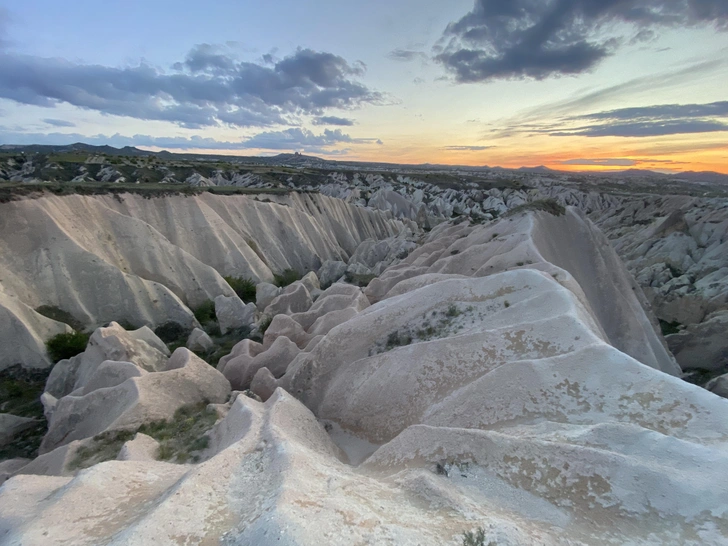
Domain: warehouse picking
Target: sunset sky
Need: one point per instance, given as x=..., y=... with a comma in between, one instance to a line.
x=570, y=84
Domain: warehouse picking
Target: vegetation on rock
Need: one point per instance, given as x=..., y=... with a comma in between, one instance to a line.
x=65, y=346
x=243, y=287
x=286, y=277
x=58, y=314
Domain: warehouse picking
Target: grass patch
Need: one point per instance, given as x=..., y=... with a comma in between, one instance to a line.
x=104, y=447
x=243, y=287
x=182, y=436
x=360, y=280
x=551, y=206
x=395, y=339
x=65, y=346
x=179, y=438
x=56, y=313
x=286, y=277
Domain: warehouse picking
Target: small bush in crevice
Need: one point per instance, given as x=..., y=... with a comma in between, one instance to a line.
x=243, y=287
x=172, y=332
x=205, y=312
x=65, y=346
x=286, y=277
x=669, y=327
x=476, y=538
x=264, y=325
x=358, y=279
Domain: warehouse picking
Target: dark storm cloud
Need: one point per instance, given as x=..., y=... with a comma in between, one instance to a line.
x=505, y=39
x=333, y=120
x=209, y=88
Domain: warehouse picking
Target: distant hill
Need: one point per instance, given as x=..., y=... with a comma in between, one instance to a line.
x=301, y=160
x=76, y=147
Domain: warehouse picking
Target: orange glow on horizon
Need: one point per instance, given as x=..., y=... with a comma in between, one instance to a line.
x=714, y=158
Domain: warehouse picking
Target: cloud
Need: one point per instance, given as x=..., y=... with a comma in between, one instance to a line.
x=333, y=120
x=117, y=140
x=303, y=139
x=662, y=111
x=507, y=39
x=294, y=139
x=655, y=120
x=59, y=122
x=407, y=55
x=611, y=162
x=466, y=148
x=646, y=129
x=209, y=88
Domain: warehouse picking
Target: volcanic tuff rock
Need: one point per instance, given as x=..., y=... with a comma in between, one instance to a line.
x=506, y=378
x=148, y=261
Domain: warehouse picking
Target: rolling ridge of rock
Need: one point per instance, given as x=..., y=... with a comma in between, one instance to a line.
x=147, y=261
x=504, y=377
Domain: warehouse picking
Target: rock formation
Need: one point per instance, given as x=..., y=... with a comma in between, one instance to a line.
x=505, y=377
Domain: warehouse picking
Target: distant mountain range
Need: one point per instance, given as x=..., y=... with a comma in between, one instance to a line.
x=298, y=159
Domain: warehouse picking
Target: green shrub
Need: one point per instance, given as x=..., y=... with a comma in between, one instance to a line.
x=172, y=332
x=286, y=277
x=65, y=346
x=244, y=288
x=205, y=312
x=669, y=327
x=476, y=538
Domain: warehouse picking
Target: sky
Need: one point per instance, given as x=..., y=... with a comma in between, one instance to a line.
x=570, y=84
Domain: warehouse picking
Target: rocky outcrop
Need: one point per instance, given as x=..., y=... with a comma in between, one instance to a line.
x=505, y=376
x=148, y=261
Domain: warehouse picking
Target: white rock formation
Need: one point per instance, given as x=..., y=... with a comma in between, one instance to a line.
x=116, y=400
x=504, y=377
x=146, y=261
x=140, y=448
x=232, y=313
x=265, y=293
x=330, y=272
x=198, y=340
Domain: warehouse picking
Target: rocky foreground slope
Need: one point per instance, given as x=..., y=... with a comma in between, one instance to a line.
x=502, y=377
